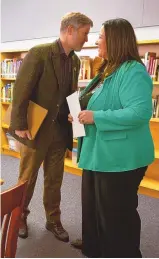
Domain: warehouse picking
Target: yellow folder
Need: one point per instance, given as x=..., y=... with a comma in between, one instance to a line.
x=36, y=115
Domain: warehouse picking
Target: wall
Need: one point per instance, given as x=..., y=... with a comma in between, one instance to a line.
x=31, y=19
x=147, y=33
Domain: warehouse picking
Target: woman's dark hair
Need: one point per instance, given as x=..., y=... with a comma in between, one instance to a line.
x=121, y=44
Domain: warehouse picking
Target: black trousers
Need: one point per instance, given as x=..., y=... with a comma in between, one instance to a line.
x=110, y=221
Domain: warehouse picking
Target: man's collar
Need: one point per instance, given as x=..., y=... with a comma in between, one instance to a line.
x=62, y=51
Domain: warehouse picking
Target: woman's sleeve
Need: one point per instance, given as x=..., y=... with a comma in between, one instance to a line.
x=135, y=92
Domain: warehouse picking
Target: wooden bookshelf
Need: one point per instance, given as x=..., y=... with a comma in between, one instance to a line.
x=150, y=184
x=157, y=154
x=148, y=42
x=5, y=126
x=72, y=168
x=149, y=187
x=142, y=42
x=82, y=83
x=154, y=120
x=85, y=81
x=7, y=151
x=156, y=83
x=5, y=103
x=8, y=79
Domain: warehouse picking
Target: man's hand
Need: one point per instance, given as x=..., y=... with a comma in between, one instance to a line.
x=23, y=134
x=86, y=117
x=70, y=118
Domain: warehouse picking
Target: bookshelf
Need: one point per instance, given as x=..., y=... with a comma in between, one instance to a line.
x=150, y=184
x=8, y=79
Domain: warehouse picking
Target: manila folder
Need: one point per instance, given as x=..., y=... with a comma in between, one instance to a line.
x=36, y=115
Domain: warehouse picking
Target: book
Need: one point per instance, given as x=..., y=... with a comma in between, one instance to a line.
x=36, y=116
x=10, y=67
x=7, y=92
x=155, y=107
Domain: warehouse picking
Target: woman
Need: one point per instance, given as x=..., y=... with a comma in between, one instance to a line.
x=117, y=148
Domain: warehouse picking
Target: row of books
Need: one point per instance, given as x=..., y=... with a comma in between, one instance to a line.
x=10, y=67
x=152, y=64
x=7, y=96
x=155, y=107
x=88, y=65
x=7, y=93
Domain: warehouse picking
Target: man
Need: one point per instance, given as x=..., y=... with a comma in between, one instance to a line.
x=48, y=74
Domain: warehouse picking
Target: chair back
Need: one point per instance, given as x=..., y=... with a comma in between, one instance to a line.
x=12, y=203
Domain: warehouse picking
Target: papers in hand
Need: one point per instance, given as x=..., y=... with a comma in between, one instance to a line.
x=74, y=106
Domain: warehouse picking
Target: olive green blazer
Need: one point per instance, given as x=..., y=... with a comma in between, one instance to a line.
x=38, y=80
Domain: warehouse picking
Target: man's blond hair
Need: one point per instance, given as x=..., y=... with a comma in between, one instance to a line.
x=76, y=20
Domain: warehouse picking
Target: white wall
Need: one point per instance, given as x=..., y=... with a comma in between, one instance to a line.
x=147, y=33
x=151, y=13
x=31, y=19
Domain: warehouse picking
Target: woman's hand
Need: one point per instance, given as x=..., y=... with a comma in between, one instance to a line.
x=70, y=118
x=86, y=117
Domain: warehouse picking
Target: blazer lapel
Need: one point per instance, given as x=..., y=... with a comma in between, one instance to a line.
x=55, y=56
x=74, y=74
x=99, y=91
x=94, y=97
x=93, y=81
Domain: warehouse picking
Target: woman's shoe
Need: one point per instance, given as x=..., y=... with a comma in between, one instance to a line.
x=77, y=244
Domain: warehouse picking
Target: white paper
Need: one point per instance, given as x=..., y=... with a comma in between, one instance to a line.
x=74, y=106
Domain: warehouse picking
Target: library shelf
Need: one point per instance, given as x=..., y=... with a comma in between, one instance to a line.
x=8, y=79
x=5, y=103
x=156, y=83
x=150, y=184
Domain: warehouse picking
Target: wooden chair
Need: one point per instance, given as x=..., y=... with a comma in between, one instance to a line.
x=12, y=202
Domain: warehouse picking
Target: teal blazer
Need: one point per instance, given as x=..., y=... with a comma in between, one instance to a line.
x=120, y=138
